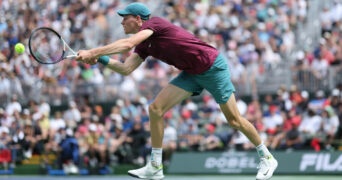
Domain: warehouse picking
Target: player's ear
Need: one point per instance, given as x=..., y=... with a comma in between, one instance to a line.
x=139, y=20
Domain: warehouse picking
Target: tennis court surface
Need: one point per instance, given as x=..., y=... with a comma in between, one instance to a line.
x=175, y=177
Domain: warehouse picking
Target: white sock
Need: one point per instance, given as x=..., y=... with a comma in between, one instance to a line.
x=262, y=150
x=156, y=157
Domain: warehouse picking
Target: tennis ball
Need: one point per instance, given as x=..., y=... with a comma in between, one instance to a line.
x=19, y=48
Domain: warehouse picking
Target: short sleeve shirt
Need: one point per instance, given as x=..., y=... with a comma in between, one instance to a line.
x=176, y=46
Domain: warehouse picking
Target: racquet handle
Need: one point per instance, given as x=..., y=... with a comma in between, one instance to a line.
x=71, y=56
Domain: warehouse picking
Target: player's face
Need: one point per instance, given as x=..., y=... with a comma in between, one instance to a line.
x=131, y=23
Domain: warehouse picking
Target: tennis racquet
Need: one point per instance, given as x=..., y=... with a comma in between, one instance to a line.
x=48, y=47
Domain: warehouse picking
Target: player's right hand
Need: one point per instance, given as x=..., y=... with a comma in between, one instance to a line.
x=86, y=56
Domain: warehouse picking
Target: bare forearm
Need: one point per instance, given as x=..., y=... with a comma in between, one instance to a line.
x=119, y=46
x=118, y=67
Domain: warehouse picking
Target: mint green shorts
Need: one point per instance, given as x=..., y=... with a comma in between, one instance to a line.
x=216, y=81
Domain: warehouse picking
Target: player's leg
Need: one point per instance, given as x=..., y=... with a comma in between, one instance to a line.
x=217, y=81
x=165, y=100
x=268, y=163
x=236, y=121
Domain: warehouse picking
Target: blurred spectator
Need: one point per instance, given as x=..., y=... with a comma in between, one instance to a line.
x=32, y=143
x=44, y=106
x=69, y=157
x=5, y=119
x=5, y=153
x=57, y=122
x=309, y=129
x=303, y=106
x=317, y=103
x=239, y=142
x=188, y=134
x=170, y=137
x=330, y=124
x=137, y=139
x=293, y=139
x=274, y=121
x=334, y=99
x=72, y=116
x=339, y=129
x=16, y=146
x=13, y=106
x=289, y=136
x=122, y=154
x=210, y=141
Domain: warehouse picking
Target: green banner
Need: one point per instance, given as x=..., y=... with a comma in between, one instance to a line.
x=246, y=162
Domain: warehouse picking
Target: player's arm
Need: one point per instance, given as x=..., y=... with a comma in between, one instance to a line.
x=122, y=45
x=125, y=68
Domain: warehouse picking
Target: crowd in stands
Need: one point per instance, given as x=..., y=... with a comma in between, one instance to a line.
x=254, y=35
x=326, y=53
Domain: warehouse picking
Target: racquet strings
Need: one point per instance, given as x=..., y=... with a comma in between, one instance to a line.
x=46, y=46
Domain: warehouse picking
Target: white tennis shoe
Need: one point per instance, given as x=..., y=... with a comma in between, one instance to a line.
x=266, y=168
x=148, y=172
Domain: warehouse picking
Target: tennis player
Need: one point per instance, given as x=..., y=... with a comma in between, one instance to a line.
x=203, y=67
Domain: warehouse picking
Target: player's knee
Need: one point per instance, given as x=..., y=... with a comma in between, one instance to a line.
x=155, y=110
x=235, y=123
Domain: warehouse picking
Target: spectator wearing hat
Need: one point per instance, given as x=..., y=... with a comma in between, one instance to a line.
x=274, y=121
x=309, y=129
x=292, y=139
x=335, y=99
x=14, y=105
x=330, y=124
x=32, y=137
x=25, y=115
x=303, y=105
x=318, y=102
x=57, y=124
x=211, y=141
x=289, y=136
x=5, y=152
x=5, y=119
x=113, y=119
x=72, y=115
x=188, y=131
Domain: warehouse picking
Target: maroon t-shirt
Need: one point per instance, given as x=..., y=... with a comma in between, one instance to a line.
x=176, y=46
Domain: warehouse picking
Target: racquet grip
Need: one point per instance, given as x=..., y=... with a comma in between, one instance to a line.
x=103, y=60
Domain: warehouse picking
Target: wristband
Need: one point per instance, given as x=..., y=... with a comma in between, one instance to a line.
x=103, y=60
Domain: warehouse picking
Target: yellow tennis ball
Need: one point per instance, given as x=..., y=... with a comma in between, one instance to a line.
x=19, y=48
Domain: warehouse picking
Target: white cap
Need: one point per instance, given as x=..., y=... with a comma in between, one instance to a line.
x=72, y=104
x=69, y=132
x=320, y=93
x=95, y=118
x=4, y=129
x=335, y=92
x=120, y=102
x=300, y=55
x=92, y=127
x=26, y=112
x=304, y=94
